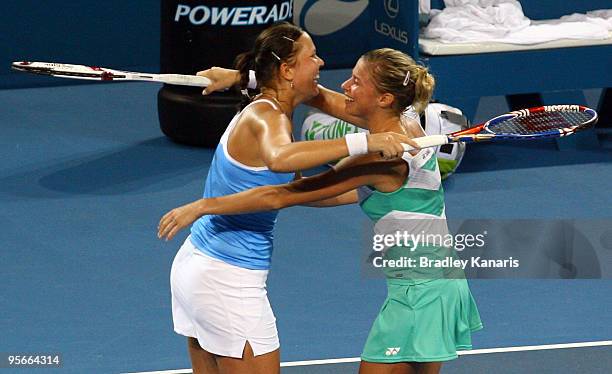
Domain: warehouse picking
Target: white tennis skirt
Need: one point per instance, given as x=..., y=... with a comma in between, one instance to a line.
x=221, y=305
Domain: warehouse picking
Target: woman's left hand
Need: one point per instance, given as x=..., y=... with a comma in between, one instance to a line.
x=220, y=78
x=177, y=219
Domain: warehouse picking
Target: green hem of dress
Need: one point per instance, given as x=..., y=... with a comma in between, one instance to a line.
x=397, y=359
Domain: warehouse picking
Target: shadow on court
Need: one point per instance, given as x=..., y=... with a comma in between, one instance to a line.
x=118, y=171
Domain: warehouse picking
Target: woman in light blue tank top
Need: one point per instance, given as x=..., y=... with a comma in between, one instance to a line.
x=428, y=315
x=255, y=150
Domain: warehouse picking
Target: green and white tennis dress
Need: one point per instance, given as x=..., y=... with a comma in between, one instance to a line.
x=429, y=313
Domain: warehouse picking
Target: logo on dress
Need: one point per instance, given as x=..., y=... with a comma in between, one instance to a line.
x=392, y=351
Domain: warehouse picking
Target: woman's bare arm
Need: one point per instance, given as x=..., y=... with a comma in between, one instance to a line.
x=364, y=170
x=344, y=199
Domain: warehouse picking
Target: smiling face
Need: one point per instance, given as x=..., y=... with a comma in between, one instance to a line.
x=305, y=69
x=361, y=95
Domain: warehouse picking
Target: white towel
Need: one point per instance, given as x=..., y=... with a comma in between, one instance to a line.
x=602, y=17
x=474, y=21
x=469, y=20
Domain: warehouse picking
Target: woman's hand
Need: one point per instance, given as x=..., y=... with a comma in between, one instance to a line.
x=177, y=219
x=221, y=78
x=389, y=144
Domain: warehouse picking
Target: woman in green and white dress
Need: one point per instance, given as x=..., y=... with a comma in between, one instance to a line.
x=429, y=313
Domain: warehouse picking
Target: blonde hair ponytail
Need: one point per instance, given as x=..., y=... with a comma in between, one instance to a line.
x=424, y=84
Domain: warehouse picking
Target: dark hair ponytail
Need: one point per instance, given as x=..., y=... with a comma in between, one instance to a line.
x=243, y=63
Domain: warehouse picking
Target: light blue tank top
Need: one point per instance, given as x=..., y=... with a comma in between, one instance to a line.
x=243, y=240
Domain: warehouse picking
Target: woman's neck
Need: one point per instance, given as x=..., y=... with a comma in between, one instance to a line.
x=385, y=122
x=285, y=103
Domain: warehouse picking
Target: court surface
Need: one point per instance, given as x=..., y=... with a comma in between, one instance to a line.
x=85, y=175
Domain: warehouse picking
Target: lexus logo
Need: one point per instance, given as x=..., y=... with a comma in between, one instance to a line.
x=391, y=8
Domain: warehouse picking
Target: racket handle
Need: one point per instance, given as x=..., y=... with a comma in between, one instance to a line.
x=427, y=141
x=184, y=80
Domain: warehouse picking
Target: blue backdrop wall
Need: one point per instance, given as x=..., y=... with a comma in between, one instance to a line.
x=112, y=33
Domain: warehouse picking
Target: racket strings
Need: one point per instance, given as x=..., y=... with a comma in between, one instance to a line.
x=539, y=123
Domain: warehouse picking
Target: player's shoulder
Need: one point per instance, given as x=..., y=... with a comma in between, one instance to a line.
x=264, y=113
x=265, y=108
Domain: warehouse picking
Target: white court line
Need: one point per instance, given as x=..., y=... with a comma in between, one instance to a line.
x=461, y=353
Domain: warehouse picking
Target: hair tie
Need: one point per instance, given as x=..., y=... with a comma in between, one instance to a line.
x=245, y=92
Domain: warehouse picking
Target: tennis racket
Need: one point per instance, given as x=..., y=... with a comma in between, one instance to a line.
x=526, y=124
x=104, y=74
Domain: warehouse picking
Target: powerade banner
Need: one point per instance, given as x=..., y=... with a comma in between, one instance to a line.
x=201, y=33
x=233, y=15
x=343, y=30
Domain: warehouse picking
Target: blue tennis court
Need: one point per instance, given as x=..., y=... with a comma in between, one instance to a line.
x=86, y=174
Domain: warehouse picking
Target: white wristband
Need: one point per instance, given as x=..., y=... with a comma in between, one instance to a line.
x=357, y=143
x=252, y=80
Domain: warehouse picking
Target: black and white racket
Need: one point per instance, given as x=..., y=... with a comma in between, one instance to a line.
x=525, y=124
x=105, y=74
